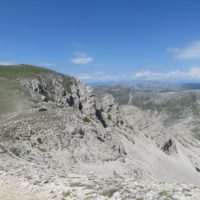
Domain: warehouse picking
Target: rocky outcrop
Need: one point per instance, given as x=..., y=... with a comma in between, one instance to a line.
x=110, y=109
x=84, y=98
x=80, y=96
x=169, y=147
x=50, y=88
x=58, y=92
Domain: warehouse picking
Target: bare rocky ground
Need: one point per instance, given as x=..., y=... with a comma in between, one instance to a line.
x=58, y=141
x=95, y=187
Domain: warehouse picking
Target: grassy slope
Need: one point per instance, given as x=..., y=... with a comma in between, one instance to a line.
x=22, y=71
x=12, y=98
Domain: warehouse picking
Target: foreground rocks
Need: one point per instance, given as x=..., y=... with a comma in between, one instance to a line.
x=91, y=186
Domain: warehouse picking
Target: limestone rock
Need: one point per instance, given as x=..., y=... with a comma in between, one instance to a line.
x=84, y=98
x=110, y=106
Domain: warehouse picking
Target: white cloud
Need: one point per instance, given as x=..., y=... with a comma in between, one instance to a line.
x=191, y=74
x=173, y=50
x=78, y=45
x=191, y=51
x=81, y=59
x=47, y=64
x=146, y=75
x=103, y=77
x=89, y=76
x=7, y=63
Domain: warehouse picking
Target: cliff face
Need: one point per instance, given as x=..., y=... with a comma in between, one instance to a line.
x=57, y=116
x=84, y=98
x=56, y=135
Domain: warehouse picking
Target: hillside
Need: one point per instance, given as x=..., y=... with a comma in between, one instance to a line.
x=59, y=140
x=15, y=97
x=174, y=106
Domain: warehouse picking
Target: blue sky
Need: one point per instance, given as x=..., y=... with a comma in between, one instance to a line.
x=104, y=40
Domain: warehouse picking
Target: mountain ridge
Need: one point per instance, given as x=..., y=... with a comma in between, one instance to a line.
x=67, y=143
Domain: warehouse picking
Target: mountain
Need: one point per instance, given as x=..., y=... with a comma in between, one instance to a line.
x=151, y=85
x=60, y=139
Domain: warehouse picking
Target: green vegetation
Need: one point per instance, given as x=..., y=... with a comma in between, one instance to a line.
x=78, y=184
x=109, y=117
x=15, y=72
x=86, y=119
x=196, y=132
x=14, y=97
x=68, y=81
x=166, y=194
x=66, y=194
x=42, y=109
x=28, y=177
x=10, y=97
x=20, y=71
x=197, y=169
x=109, y=192
x=46, y=95
x=15, y=151
x=178, y=108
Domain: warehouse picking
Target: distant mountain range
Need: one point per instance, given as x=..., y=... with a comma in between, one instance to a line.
x=154, y=86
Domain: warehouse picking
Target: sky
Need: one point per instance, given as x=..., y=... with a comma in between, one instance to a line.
x=104, y=40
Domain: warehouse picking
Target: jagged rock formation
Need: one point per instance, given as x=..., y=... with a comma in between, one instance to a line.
x=167, y=147
x=59, y=141
x=109, y=106
x=84, y=98
x=53, y=89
